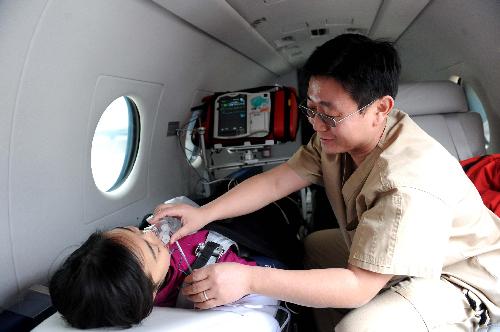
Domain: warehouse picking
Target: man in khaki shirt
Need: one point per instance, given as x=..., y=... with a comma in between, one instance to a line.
x=416, y=247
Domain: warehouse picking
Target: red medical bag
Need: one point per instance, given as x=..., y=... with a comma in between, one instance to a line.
x=283, y=116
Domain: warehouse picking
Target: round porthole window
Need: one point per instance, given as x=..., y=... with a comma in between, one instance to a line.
x=115, y=144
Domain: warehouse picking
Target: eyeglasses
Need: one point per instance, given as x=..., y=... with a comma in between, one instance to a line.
x=327, y=119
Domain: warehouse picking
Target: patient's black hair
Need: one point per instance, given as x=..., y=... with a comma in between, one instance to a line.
x=367, y=69
x=102, y=284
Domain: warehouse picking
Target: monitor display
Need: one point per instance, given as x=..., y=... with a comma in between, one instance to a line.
x=232, y=116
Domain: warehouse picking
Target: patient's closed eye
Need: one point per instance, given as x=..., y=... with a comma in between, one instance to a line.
x=151, y=249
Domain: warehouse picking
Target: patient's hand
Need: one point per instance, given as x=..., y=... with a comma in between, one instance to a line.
x=222, y=283
x=192, y=218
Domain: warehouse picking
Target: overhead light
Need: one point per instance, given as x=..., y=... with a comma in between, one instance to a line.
x=360, y=31
x=319, y=32
x=339, y=21
x=272, y=2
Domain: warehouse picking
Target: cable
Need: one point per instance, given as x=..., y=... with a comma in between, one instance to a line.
x=283, y=213
x=183, y=128
x=213, y=181
x=184, y=256
x=292, y=311
x=260, y=306
x=187, y=160
x=231, y=181
x=288, y=317
x=294, y=201
x=183, y=149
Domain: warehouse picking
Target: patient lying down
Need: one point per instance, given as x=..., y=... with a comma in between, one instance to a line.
x=116, y=277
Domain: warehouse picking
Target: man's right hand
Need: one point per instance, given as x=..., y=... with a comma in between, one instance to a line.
x=192, y=218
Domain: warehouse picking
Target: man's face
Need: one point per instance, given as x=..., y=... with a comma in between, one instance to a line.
x=327, y=96
x=154, y=256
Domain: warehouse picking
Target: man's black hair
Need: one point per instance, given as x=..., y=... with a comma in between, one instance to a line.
x=366, y=69
x=102, y=284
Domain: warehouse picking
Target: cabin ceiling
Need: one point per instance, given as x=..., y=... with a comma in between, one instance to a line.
x=281, y=34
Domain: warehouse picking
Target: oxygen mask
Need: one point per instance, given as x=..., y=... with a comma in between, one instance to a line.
x=164, y=228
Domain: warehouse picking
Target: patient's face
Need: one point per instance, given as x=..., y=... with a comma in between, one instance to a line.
x=155, y=257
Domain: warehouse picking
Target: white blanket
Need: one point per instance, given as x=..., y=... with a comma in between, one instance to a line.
x=251, y=313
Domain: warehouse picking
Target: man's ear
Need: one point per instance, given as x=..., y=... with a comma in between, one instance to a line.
x=385, y=105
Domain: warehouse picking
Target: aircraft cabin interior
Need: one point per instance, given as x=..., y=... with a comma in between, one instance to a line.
x=112, y=107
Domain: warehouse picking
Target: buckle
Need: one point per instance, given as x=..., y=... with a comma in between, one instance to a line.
x=218, y=252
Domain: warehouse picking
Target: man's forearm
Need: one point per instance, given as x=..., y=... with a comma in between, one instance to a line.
x=321, y=288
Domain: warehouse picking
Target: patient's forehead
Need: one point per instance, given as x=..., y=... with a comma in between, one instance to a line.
x=148, y=249
x=130, y=232
x=130, y=239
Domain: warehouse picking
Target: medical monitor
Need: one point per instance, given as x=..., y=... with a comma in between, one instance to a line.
x=242, y=114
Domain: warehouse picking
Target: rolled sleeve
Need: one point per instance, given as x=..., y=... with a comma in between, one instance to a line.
x=306, y=162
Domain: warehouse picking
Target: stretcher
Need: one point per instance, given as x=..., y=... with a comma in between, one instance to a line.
x=249, y=314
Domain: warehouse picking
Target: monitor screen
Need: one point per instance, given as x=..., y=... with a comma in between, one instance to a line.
x=232, y=115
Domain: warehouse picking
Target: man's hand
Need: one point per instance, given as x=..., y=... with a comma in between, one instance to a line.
x=192, y=218
x=217, y=284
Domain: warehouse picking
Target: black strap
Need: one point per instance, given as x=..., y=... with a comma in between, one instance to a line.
x=479, y=308
x=205, y=255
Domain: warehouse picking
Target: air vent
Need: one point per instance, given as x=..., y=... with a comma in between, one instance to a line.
x=258, y=21
x=284, y=41
x=319, y=32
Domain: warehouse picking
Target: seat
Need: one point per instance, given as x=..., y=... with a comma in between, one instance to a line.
x=440, y=108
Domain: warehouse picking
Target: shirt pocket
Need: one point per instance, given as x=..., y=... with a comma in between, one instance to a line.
x=374, y=238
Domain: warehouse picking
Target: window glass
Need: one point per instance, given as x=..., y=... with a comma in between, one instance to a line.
x=475, y=105
x=115, y=144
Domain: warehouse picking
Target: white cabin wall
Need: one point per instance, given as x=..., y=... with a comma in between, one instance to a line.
x=60, y=62
x=458, y=37
x=15, y=41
